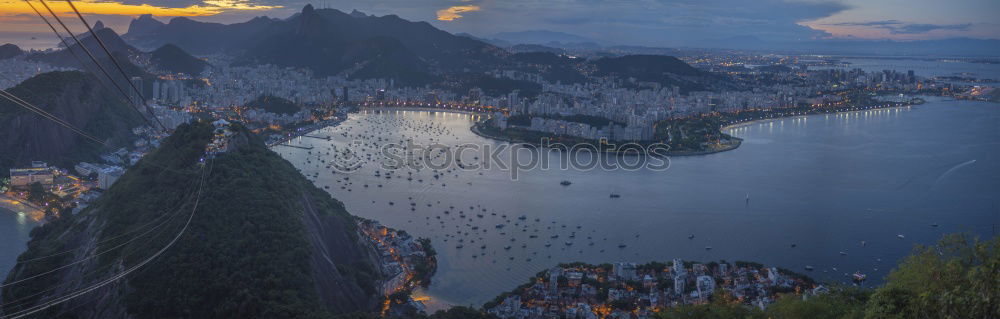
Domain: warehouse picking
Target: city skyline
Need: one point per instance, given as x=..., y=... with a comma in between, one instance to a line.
x=420, y=159
x=655, y=23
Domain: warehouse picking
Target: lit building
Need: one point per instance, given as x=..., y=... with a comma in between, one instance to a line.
x=108, y=176
x=705, y=285
x=20, y=177
x=85, y=169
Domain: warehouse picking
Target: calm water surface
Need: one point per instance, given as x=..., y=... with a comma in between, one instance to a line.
x=826, y=183
x=14, y=230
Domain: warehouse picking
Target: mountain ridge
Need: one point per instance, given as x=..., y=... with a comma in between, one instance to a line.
x=74, y=96
x=263, y=241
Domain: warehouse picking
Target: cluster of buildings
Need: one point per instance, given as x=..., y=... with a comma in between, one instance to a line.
x=264, y=118
x=38, y=172
x=399, y=257
x=83, y=182
x=228, y=86
x=981, y=93
x=62, y=188
x=50, y=176
x=17, y=69
x=642, y=107
x=220, y=139
x=169, y=90
x=106, y=175
x=629, y=290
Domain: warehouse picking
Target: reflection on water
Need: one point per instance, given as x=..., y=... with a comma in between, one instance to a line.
x=14, y=230
x=825, y=183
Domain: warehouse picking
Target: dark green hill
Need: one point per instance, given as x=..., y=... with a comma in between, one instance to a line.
x=330, y=42
x=646, y=67
x=662, y=69
x=263, y=242
x=273, y=104
x=551, y=66
x=8, y=51
x=72, y=96
x=494, y=86
x=173, y=59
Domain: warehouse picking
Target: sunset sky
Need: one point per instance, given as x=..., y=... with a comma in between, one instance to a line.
x=642, y=22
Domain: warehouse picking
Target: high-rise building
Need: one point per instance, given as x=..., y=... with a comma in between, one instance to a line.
x=135, y=95
x=678, y=266
x=156, y=91
x=679, y=284
x=705, y=285
x=554, y=274
x=108, y=176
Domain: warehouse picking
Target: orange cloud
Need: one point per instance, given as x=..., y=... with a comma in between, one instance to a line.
x=208, y=8
x=453, y=13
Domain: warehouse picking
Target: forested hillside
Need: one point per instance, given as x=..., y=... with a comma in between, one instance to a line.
x=262, y=242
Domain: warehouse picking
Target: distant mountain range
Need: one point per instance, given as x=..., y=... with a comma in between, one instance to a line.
x=168, y=57
x=942, y=47
x=539, y=37
x=329, y=42
x=64, y=57
x=361, y=46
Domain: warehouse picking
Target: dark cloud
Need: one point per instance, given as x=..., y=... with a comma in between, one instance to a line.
x=164, y=3
x=188, y=3
x=656, y=22
x=918, y=28
x=868, y=24
x=899, y=27
x=648, y=22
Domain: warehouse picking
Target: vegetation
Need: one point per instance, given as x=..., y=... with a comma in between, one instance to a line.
x=96, y=110
x=247, y=250
x=841, y=302
x=692, y=134
x=459, y=312
x=722, y=306
x=957, y=278
x=8, y=51
x=245, y=254
x=551, y=66
x=493, y=86
x=665, y=70
x=425, y=268
x=273, y=104
x=173, y=59
x=594, y=121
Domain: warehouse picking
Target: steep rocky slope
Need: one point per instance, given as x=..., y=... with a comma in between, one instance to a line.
x=72, y=96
